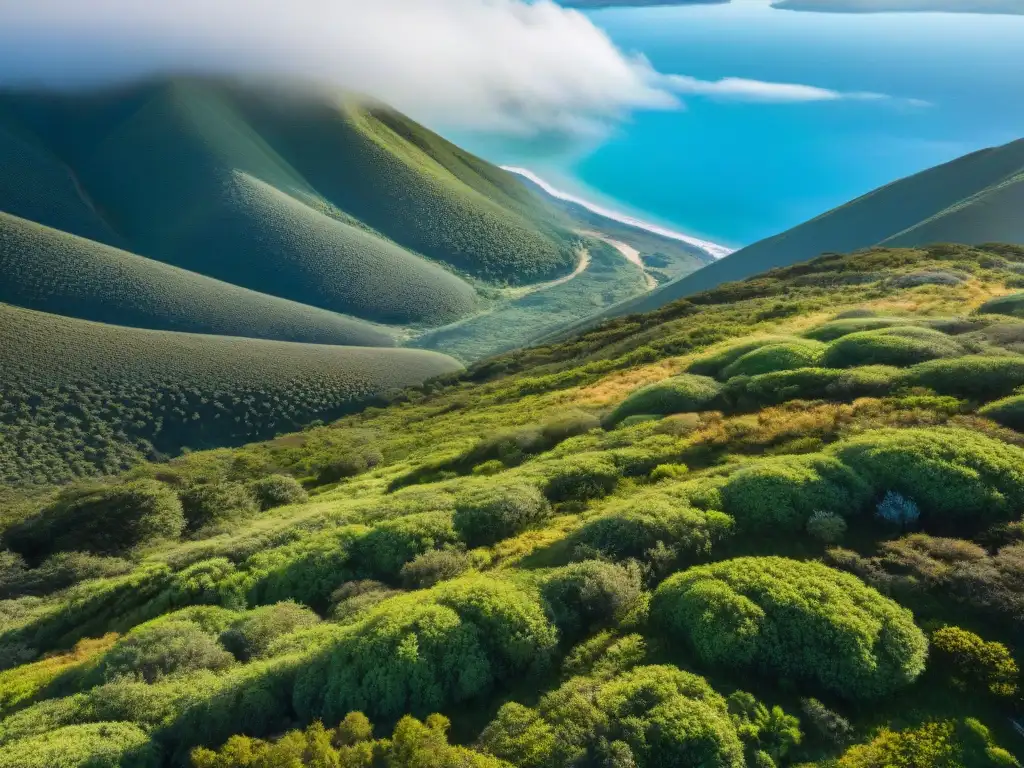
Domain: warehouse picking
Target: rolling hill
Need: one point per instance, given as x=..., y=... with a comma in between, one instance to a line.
x=52, y=271
x=82, y=398
x=323, y=200
x=974, y=199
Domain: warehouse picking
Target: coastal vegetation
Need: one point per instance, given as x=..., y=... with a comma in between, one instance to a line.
x=777, y=524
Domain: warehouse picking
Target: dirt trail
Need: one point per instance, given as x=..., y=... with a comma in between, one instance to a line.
x=630, y=253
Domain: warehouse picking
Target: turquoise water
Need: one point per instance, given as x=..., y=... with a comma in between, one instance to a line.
x=735, y=172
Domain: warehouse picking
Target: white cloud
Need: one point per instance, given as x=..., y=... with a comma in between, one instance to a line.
x=490, y=64
x=758, y=90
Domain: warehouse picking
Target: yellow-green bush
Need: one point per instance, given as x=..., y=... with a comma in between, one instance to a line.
x=682, y=393
x=901, y=347
x=490, y=513
x=776, y=357
x=1009, y=412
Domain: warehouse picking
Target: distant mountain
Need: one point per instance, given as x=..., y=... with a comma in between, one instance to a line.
x=1013, y=7
x=335, y=204
x=975, y=199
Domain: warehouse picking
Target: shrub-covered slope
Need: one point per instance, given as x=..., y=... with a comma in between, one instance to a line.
x=81, y=397
x=776, y=525
x=974, y=199
x=344, y=206
x=52, y=271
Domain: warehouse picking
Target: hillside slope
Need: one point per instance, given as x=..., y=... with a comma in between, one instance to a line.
x=342, y=205
x=974, y=199
x=778, y=525
x=82, y=398
x=52, y=271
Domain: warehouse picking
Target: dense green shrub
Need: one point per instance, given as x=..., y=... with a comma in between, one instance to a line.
x=974, y=663
x=802, y=621
x=581, y=478
x=890, y=346
x=354, y=597
x=96, y=745
x=829, y=724
x=424, y=651
x=780, y=494
x=589, y=595
x=1009, y=412
x=1012, y=305
x=750, y=393
x=648, y=716
x=433, y=567
x=943, y=744
x=633, y=528
x=776, y=357
x=277, y=491
x=211, y=503
x=251, y=636
x=347, y=465
x=835, y=329
x=58, y=571
x=683, y=393
x=957, y=476
x=713, y=363
x=490, y=513
x=106, y=521
x=163, y=648
x=975, y=377
x=389, y=545
x=826, y=527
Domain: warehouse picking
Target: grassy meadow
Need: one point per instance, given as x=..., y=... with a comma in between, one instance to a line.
x=775, y=524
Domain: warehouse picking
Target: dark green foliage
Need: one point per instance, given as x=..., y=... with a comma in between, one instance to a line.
x=1009, y=412
x=212, y=503
x=103, y=520
x=657, y=715
x=844, y=326
x=634, y=528
x=803, y=621
x=900, y=346
x=768, y=733
x=251, y=636
x=976, y=377
x=163, y=648
x=1012, y=305
x=959, y=478
x=780, y=494
x=414, y=654
x=974, y=663
x=97, y=745
x=494, y=512
x=830, y=725
x=754, y=392
x=714, y=363
x=433, y=567
x=679, y=394
x=277, y=491
x=59, y=571
x=83, y=398
x=581, y=478
x=776, y=357
x=382, y=552
x=586, y=596
x=347, y=465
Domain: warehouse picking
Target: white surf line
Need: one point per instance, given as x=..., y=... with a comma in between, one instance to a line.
x=713, y=249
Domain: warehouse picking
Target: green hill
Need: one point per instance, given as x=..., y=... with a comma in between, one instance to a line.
x=778, y=524
x=82, y=397
x=975, y=199
x=323, y=201
x=52, y=271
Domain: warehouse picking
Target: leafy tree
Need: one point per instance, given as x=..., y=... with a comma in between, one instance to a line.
x=972, y=662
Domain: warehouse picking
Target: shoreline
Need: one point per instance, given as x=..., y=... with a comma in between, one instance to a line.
x=712, y=249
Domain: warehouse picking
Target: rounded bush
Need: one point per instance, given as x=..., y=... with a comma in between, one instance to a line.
x=277, y=491
x=1012, y=305
x=826, y=527
x=381, y=553
x=900, y=347
x=589, y=595
x=754, y=392
x=835, y=329
x=581, y=478
x=776, y=357
x=683, y=393
x=491, y=513
x=975, y=377
x=105, y=521
x=780, y=494
x=163, y=648
x=957, y=476
x=433, y=567
x=648, y=716
x=63, y=570
x=251, y=636
x=798, y=620
x=713, y=363
x=1009, y=412
x=973, y=662
x=211, y=503
x=634, y=528
x=96, y=745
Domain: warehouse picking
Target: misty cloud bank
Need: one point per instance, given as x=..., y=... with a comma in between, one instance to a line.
x=485, y=64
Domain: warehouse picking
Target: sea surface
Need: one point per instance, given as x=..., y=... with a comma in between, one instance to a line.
x=732, y=171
